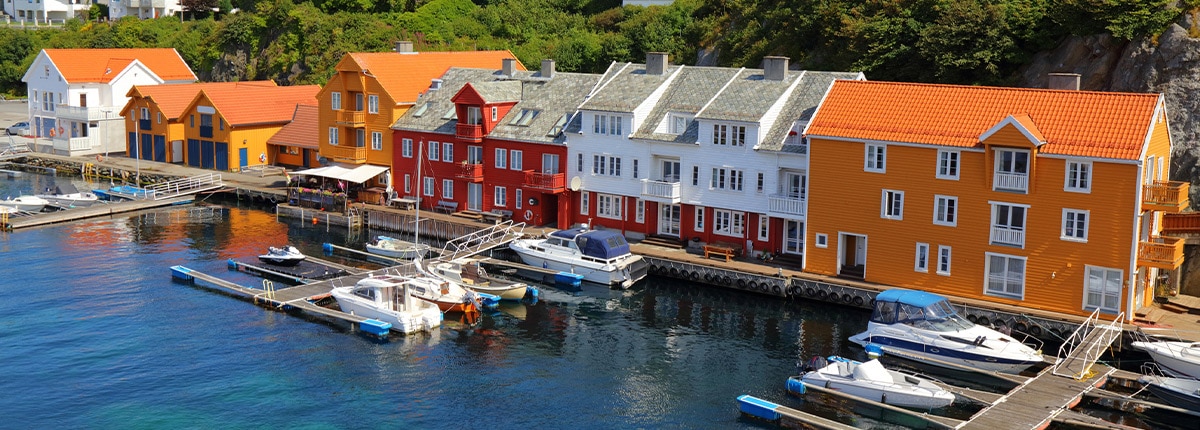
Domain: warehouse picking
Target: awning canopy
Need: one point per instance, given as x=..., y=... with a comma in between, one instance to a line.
x=357, y=175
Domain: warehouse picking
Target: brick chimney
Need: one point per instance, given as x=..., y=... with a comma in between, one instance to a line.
x=547, y=69
x=775, y=68
x=656, y=63
x=404, y=47
x=1063, y=81
x=508, y=66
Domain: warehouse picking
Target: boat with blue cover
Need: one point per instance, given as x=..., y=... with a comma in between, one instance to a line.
x=600, y=256
x=871, y=381
x=926, y=326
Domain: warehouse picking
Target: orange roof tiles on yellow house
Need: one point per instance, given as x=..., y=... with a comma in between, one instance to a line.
x=295, y=144
x=153, y=112
x=370, y=91
x=1043, y=199
x=227, y=128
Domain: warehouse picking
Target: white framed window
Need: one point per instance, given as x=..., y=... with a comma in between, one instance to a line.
x=639, y=211
x=474, y=154
x=1075, y=225
x=372, y=104
x=635, y=168
x=608, y=124
x=584, y=199
x=335, y=100
x=333, y=135
x=724, y=178
x=145, y=114
x=764, y=227
x=448, y=189
x=1008, y=224
x=406, y=147
x=761, y=182
x=876, y=157
x=922, y=259
x=947, y=164
x=448, y=152
x=822, y=240
x=729, y=223
x=474, y=116
x=892, y=205
x=945, y=210
x=500, y=198
x=1012, y=170
x=407, y=183
x=719, y=134
x=943, y=267
x=377, y=140
x=516, y=159
x=1005, y=276
x=579, y=162
x=609, y=206
x=518, y=198
x=158, y=117
x=606, y=165
x=1079, y=177
x=432, y=150
x=1102, y=289
x=428, y=191
x=679, y=122
x=495, y=111
x=699, y=224
x=695, y=175
x=501, y=158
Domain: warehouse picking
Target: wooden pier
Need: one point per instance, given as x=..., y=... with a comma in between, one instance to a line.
x=93, y=211
x=310, y=270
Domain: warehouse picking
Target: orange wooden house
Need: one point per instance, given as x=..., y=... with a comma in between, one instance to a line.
x=152, y=117
x=370, y=91
x=1046, y=199
x=227, y=128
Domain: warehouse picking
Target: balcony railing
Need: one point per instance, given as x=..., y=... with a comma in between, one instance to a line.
x=1007, y=236
x=348, y=154
x=471, y=172
x=661, y=189
x=470, y=132
x=72, y=144
x=351, y=118
x=552, y=182
x=1010, y=182
x=84, y=113
x=1161, y=252
x=783, y=204
x=1167, y=196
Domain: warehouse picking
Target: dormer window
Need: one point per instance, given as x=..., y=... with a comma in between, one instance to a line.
x=420, y=110
x=451, y=114
x=524, y=117
x=679, y=123
x=436, y=84
x=474, y=117
x=558, y=128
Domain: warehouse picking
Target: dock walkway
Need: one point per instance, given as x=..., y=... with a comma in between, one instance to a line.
x=96, y=210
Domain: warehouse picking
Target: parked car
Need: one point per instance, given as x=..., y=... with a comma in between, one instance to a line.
x=20, y=128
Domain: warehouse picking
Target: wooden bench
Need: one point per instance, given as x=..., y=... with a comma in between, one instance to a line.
x=477, y=216
x=444, y=206
x=727, y=250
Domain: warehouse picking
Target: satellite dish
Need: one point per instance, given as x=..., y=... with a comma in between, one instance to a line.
x=576, y=183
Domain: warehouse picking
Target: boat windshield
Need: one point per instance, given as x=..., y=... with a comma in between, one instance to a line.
x=936, y=316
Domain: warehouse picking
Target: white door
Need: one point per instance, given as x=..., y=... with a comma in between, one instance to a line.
x=668, y=219
x=793, y=185
x=176, y=151
x=550, y=163
x=474, y=196
x=670, y=171
x=793, y=236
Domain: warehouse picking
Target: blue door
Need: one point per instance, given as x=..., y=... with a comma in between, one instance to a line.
x=132, y=150
x=193, y=152
x=307, y=155
x=222, y=153
x=242, y=157
x=160, y=148
x=147, y=151
x=206, y=154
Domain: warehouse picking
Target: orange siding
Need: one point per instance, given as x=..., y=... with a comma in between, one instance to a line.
x=382, y=121
x=844, y=198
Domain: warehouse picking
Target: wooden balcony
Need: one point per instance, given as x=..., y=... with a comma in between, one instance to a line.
x=551, y=182
x=351, y=118
x=469, y=132
x=1166, y=196
x=1161, y=252
x=471, y=172
x=345, y=154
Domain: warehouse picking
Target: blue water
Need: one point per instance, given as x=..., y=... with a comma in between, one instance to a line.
x=95, y=334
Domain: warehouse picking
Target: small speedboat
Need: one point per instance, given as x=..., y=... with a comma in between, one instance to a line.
x=390, y=299
x=25, y=203
x=926, y=327
x=600, y=256
x=449, y=296
x=871, y=381
x=1180, y=392
x=67, y=196
x=395, y=248
x=1175, y=358
x=282, y=256
x=471, y=275
x=127, y=192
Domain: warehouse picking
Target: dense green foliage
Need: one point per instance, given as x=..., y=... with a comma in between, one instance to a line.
x=952, y=41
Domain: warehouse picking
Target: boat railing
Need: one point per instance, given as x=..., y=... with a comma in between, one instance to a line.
x=1028, y=340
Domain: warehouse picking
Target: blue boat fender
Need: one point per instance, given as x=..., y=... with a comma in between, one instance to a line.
x=231, y=263
x=533, y=293
x=874, y=350
x=796, y=386
x=327, y=247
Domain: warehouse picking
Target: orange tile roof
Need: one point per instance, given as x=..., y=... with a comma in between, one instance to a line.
x=405, y=76
x=247, y=105
x=1079, y=123
x=172, y=99
x=301, y=132
x=101, y=65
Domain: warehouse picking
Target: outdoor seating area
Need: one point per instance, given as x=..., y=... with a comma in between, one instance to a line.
x=722, y=249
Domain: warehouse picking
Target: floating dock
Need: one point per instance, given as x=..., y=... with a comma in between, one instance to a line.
x=93, y=211
x=309, y=270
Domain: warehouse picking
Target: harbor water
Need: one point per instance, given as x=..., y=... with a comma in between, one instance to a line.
x=96, y=334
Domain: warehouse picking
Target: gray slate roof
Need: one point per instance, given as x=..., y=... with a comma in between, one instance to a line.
x=626, y=87
x=688, y=93
x=499, y=91
x=800, y=106
x=748, y=97
x=438, y=102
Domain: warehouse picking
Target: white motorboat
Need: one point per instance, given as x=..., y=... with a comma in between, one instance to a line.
x=25, y=203
x=1180, y=392
x=925, y=326
x=1180, y=359
x=395, y=248
x=282, y=256
x=389, y=298
x=471, y=275
x=67, y=196
x=600, y=256
x=449, y=296
x=871, y=381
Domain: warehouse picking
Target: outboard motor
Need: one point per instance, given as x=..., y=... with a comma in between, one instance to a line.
x=816, y=363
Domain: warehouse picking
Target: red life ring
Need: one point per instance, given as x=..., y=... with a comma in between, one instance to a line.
x=60, y=130
x=52, y=132
x=262, y=157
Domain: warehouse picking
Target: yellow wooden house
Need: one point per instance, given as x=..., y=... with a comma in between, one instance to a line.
x=152, y=117
x=227, y=128
x=1045, y=199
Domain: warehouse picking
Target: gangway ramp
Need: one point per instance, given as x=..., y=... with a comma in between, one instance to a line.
x=481, y=240
x=1086, y=345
